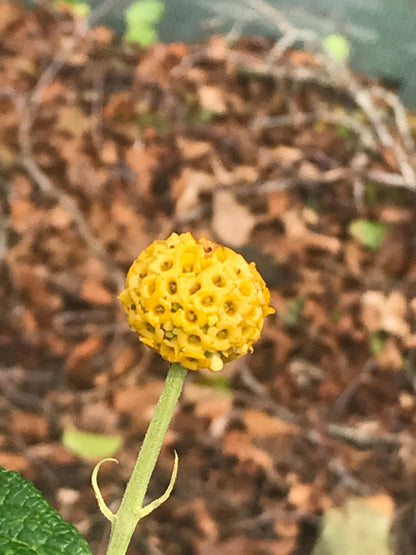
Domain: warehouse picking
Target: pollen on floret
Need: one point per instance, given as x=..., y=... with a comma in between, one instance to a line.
x=195, y=302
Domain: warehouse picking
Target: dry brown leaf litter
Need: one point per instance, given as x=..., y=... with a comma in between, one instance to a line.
x=122, y=146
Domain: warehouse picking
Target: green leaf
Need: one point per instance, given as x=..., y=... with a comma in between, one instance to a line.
x=29, y=525
x=294, y=311
x=143, y=34
x=78, y=8
x=336, y=315
x=376, y=344
x=355, y=529
x=148, y=11
x=203, y=115
x=141, y=20
x=368, y=233
x=157, y=120
x=219, y=382
x=343, y=130
x=372, y=194
x=89, y=445
x=338, y=47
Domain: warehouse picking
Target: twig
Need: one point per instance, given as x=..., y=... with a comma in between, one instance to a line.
x=12, y=392
x=27, y=110
x=341, y=404
x=309, y=118
x=400, y=115
x=4, y=221
x=262, y=397
x=362, y=441
x=271, y=14
x=385, y=178
x=103, y=390
x=97, y=111
x=61, y=57
x=347, y=478
x=57, y=62
x=345, y=79
x=17, y=438
x=103, y=9
x=266, y=187
x=65, y=200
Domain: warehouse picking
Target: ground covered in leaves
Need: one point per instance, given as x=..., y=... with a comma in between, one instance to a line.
x=105, y=147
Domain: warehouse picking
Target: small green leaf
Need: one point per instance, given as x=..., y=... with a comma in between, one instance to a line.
x=376, y=344
x=147, y=11
x=157, y=120
x=217, y=382
x=343, y=130
x=142, y=33
x=368, y=233
x=141, y=20
x=29, y=525
x=293, y=312
x=320, y=126
x=78, y=8
x=89, y=445
x=338, y=47
x=203, y=115
x=336, y=315
x=355, y=529
x=372, y=194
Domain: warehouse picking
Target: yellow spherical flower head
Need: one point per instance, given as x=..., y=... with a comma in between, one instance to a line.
x=195, y=302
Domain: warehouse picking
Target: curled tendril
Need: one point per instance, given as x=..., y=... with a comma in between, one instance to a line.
x=109, y=515
x=147, y=509
x=143, y=511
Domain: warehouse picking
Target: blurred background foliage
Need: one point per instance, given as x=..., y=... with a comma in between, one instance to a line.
x=382, y=33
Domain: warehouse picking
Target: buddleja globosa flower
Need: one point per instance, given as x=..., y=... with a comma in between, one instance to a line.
x=195, y=302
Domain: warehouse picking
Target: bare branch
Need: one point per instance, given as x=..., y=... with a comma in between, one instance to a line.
x=363, y=441
x=4, y=221
x=344, y=78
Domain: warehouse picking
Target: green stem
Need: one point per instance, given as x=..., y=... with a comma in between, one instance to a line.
x=128, y=514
